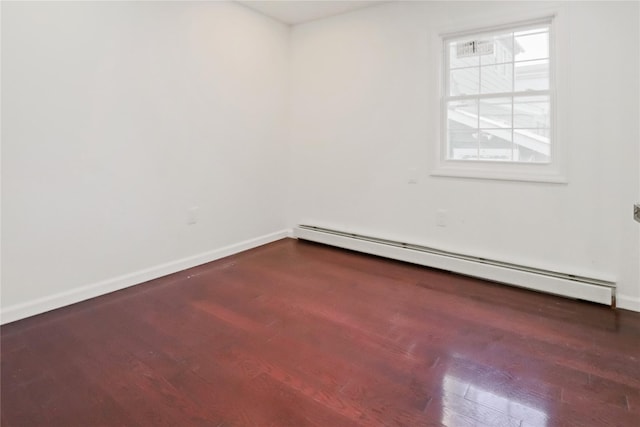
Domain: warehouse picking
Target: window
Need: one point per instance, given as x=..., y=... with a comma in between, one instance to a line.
x=498, y=99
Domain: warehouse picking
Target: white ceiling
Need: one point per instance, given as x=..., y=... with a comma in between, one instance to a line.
x=296, y=12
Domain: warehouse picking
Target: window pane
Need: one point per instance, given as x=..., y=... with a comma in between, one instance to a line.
x=529, y=154
x=461, y=55
x=532, y=46
x=531, y=112
x=502, y=49
x=463, y=145
x=532, y=75
x=496, y=78
x=495, y=113
x=464, y=82
x=532, y=146
x=544, y=133
x=462, y=115
x=531, y=135
x=495, y=145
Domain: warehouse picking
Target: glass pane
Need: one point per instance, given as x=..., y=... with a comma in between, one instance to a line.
x=544, y=133
x=530, y=31
x=532, y=122
x=529, y=154
x=496, y=78
x=502, y=49
x=532, y=75
x=461, y=54
x=532, y=45
x=495, y=113
x=495, y=145
x=462, y=115
x=464, y=82
x=531, y=145
x=531, y=112
x=463, y=145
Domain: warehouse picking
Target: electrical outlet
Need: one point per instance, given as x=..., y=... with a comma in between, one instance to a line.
x=413, y=176
x=441, y=217
x=192, y=215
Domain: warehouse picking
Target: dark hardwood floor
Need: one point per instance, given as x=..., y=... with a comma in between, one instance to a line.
x=298, y=334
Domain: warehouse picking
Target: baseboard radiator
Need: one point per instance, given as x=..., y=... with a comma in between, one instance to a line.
x=567, y=285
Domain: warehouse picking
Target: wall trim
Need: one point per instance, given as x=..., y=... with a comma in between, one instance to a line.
x=82, y=293
x=628, y=303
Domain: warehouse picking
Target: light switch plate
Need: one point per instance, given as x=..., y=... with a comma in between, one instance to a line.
x=441, y=217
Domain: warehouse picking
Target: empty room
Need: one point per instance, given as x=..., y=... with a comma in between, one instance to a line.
x=320, y=213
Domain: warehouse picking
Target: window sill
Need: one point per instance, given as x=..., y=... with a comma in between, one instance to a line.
x=541, y=173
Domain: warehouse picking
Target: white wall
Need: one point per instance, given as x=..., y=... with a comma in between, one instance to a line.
x=363, y=113
x=118, y=117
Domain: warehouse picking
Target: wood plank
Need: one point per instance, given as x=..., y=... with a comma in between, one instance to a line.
x=295, y=333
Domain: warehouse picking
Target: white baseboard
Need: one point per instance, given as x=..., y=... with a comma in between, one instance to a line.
x=628, y=303
x=51, y=302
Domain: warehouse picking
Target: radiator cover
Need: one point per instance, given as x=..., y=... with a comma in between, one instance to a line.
x=567, y=285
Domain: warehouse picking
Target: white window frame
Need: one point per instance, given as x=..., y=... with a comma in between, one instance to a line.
x=552, y=172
